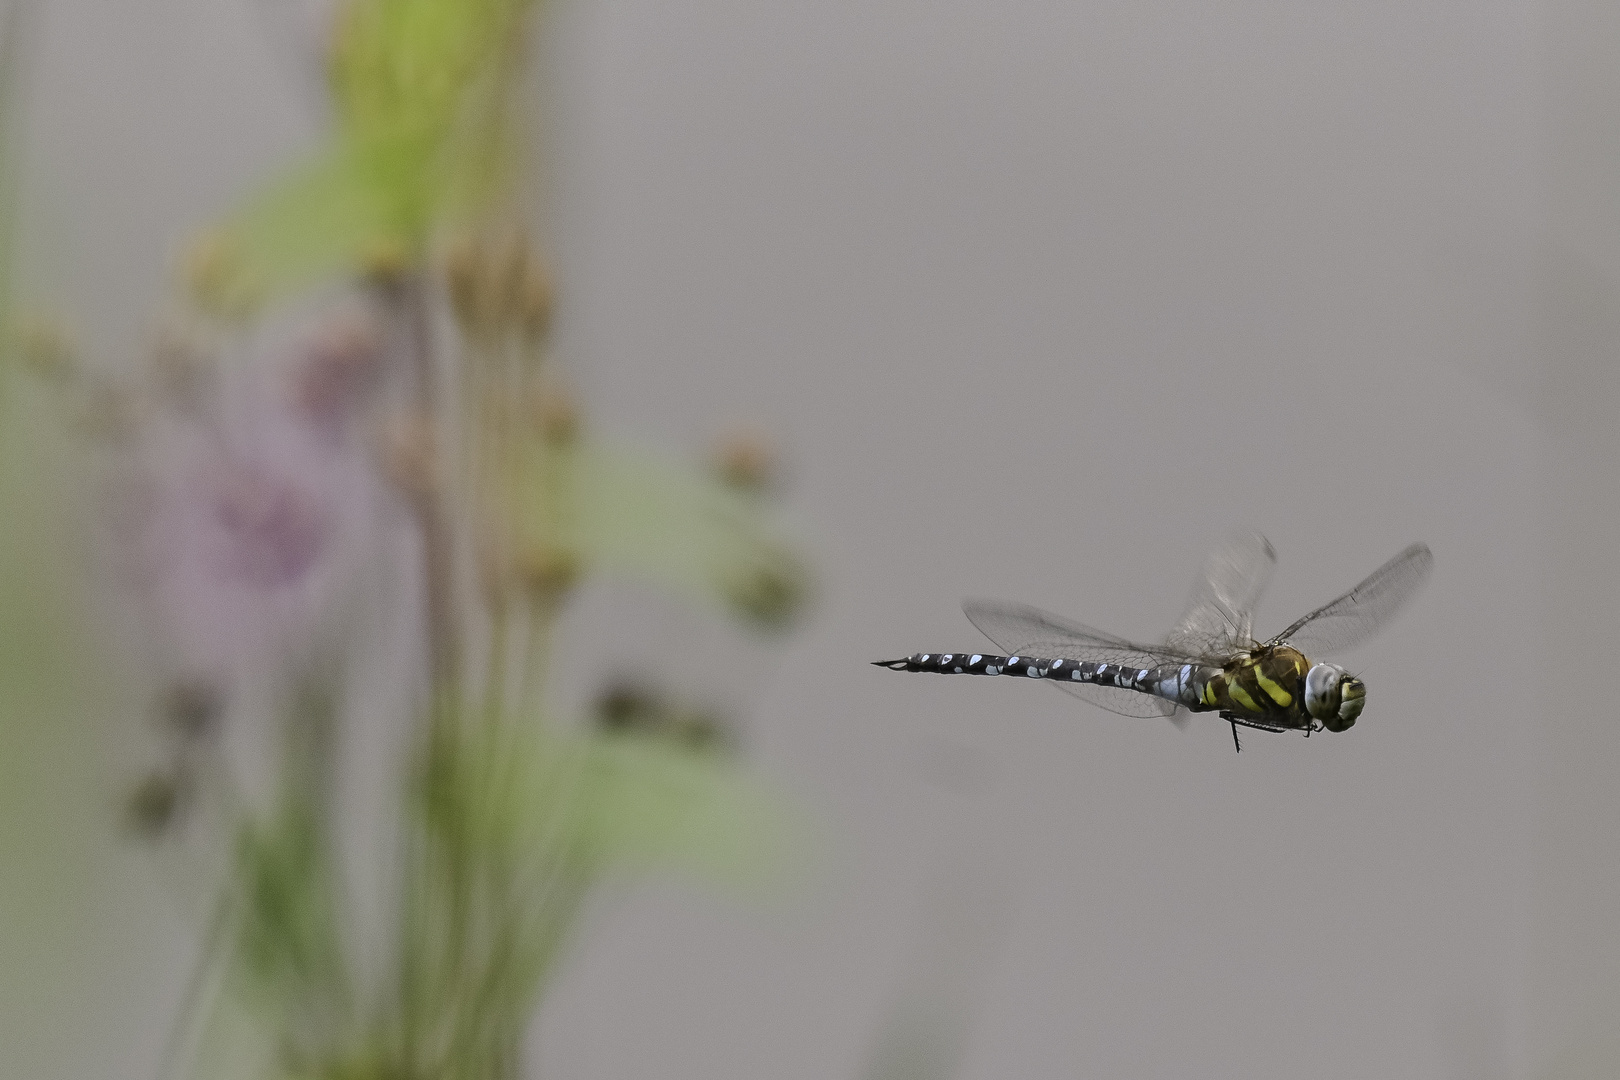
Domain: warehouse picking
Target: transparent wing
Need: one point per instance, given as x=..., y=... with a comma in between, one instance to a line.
x=1359, y=613
x=1220, y=616
x=1027, y=631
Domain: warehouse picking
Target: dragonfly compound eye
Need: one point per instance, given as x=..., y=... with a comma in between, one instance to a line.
x=1332, y=696
x=1352, y=696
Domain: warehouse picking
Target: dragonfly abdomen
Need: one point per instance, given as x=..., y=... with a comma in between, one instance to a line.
x=1181, y=683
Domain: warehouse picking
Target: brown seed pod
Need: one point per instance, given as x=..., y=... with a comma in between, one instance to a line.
x=747, y=460
x=536, y=296
x=216, y=279
x=155, y=805
x=192, y=708
x=463, y=275
x=385, y=261
x=554, y=412
x=548, y=573
x=340, y=362
x=410, y=452
x=183, y=363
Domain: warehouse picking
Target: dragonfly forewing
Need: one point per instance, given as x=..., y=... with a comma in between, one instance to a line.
x=1362, y=611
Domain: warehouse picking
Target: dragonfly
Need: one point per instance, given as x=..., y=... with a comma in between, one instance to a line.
x=1210, y=661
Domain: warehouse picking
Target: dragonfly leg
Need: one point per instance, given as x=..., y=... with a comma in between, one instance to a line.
x=1235, y=744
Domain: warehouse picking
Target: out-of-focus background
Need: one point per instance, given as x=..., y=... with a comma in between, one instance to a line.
x=1038, y=300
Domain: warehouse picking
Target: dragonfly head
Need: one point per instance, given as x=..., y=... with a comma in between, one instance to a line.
x=1334, y=696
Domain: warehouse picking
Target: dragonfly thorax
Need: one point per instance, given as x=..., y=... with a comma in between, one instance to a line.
x=1334, y=696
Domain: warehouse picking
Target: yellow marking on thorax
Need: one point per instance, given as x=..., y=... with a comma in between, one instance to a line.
x=1209, y=692
x=1241, y=696
x=1273, y=690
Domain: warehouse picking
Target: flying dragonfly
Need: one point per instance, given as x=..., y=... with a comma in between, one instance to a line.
x=1210, y=661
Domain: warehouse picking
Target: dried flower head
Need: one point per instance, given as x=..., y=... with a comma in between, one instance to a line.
x=154, y=806
x=339, y=365
x=462, y=274
x=536, y=296
x=771, y=596
x=386, y=261
x=192, y=708
x=747, y=460
x=410, y=452
x=554, y=413
x=548, y=573
x=633, y=708
x=185, y=364
x=217, y=280
x=497, y=285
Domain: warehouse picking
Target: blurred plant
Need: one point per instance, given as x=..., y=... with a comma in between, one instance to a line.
x=353, y=414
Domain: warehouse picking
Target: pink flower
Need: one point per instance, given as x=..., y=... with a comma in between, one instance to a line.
x=253, y=524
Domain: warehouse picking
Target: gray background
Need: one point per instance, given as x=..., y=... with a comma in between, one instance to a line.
x=1041, y=300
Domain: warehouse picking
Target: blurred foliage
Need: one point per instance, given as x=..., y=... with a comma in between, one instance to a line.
x=654, y=803
x=288, y=940
x=57, y=823
x=509, y=818
x=15, y=31
x=423, y=138
x=55, y=830
x=580, y=503
x=415, y=70
x=510, y=825
x=636, y=708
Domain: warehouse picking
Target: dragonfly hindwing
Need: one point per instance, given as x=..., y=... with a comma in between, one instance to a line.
x=1028, y=631
x=1220, y=614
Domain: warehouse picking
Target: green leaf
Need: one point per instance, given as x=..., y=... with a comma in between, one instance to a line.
x=330, y=212
x=622, y=512
x=421, y=91
x=601, y=803
x=416, y=63
x=288, y=950
x=516, y=824
x=655, y=804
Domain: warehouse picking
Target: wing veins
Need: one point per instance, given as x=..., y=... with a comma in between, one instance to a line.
x=1022, y=630
x=1027, y=631
x=1358, y=614
x=1219, y=619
